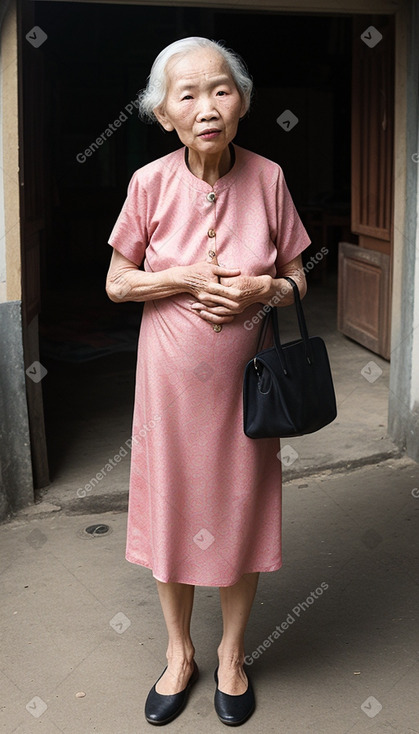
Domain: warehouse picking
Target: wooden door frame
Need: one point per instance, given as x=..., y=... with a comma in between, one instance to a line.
x=293, y=7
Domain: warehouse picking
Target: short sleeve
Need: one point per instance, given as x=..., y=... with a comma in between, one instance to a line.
x=129, y=235
x=290, y=237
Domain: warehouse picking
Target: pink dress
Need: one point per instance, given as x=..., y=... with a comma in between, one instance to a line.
x=204, y=500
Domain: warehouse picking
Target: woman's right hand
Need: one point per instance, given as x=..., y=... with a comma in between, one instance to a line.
x=125, y=282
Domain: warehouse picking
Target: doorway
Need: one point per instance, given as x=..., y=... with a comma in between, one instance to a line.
x=96, y=58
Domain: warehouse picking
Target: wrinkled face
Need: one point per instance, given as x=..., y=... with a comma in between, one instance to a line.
x=202, y=103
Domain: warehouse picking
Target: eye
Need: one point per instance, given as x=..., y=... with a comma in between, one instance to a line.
x=221, y=91
x=187, y=96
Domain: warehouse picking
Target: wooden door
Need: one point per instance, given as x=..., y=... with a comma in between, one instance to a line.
x=32, y=177
x=364, y=276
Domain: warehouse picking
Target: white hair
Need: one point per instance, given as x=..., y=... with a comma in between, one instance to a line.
x=155, y=92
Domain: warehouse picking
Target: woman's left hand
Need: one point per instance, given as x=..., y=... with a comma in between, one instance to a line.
x=245, y=291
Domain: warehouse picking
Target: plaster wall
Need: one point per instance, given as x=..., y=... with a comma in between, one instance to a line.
x=16, y=483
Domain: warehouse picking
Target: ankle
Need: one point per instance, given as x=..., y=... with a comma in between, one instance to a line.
x=182, y=655
x=230, y=658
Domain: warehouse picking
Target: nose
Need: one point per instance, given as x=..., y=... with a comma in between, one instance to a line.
x=207, y=110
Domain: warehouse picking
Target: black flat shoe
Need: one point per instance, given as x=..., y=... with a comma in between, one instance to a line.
x=234, y=710
x=160, y=709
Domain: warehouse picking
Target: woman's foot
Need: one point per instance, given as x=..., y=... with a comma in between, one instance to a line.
x=159, y=708
x=234, y=709
x=176, y=677
x=231, y=676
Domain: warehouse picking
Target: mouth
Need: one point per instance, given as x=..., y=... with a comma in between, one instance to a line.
x=209, y=134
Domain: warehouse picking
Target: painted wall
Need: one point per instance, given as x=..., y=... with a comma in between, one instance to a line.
x=2, y=224
x=16, y=483
x=415, y=349
x=413, y=104
x=413, y=434
x=3, y=10
x=404, y=374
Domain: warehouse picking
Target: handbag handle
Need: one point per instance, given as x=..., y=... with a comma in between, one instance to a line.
x=300, y=313
x=302, y=326
x=273, y=313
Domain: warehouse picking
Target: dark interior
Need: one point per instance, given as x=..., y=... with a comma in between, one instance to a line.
x=96, y=60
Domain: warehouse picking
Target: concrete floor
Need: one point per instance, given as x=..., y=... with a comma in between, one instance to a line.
x=77, y=618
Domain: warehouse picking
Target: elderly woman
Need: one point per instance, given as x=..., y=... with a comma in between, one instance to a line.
x=205, y=236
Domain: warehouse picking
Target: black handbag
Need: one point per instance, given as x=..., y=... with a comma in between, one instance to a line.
x=288, y=388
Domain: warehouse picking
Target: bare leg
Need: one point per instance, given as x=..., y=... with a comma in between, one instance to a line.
x=177, y=601
x=236, y=603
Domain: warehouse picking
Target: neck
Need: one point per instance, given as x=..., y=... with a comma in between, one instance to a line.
x=209, y=168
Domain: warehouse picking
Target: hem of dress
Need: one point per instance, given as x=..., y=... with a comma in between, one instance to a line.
x=273, y=567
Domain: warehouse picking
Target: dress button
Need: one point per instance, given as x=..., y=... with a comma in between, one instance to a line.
x=211, y=233
x=217, y=327
x=211, y=253
x=211, y=197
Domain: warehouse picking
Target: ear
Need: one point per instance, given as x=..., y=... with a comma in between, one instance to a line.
x=163, y=119
x=242, y=109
